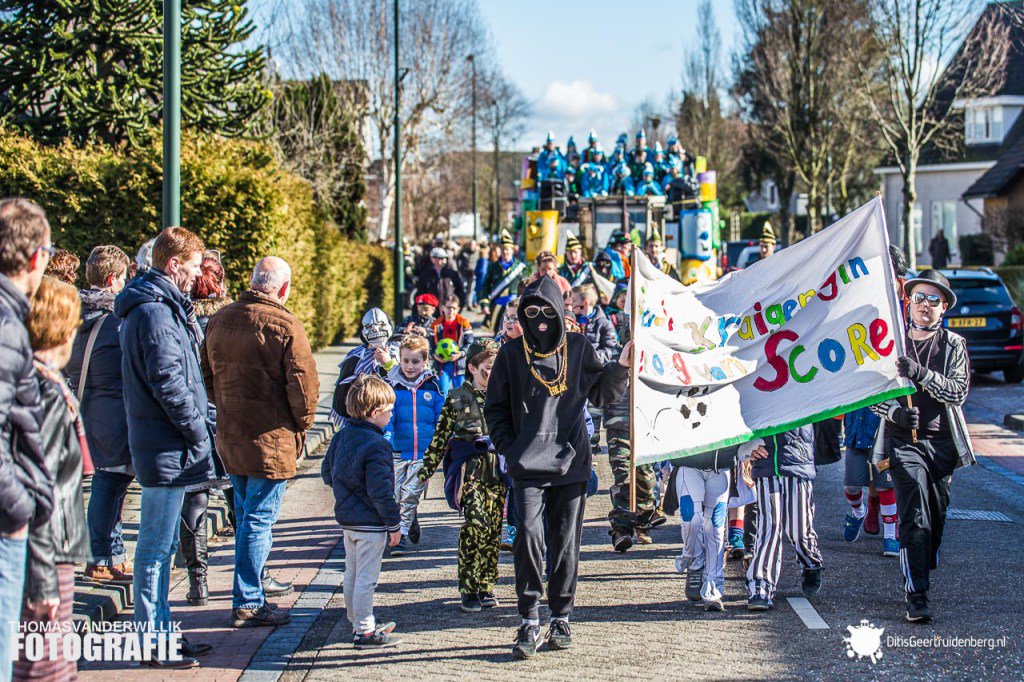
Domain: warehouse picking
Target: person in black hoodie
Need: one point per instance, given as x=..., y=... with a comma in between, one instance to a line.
x=534, y=410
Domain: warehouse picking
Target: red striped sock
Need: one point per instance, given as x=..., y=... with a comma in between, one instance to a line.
x=855, y=500
x=887, y=504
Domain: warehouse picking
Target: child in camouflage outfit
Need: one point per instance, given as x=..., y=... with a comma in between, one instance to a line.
x=473, y=478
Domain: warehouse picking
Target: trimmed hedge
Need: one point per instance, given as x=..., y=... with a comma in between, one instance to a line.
x=234, y=195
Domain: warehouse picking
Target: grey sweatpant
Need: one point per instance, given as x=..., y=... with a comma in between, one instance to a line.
x=363, y=555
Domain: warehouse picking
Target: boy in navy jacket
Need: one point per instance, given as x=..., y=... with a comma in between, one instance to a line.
x=359, y=468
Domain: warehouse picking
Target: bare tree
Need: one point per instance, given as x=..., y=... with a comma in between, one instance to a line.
x=794, y=78
x=354, y=40
x=504, y=116
x=650, y=117
x=916, y=107
x=701, y=120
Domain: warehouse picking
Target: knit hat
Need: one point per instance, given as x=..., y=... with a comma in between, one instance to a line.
x=618, y=237
x=506, y=239
x=438, y=252
x=572, y=242
x=767, y=234
x=481, y=346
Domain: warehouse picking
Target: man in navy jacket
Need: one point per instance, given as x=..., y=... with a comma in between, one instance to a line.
x=166, y=404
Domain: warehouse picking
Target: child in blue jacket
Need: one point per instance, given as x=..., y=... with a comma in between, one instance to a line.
x=358, y=467
x=418, y=400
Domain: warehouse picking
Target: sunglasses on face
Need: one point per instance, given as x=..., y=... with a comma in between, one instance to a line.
x=511, y=319
x=933, y=300
x=535, y=310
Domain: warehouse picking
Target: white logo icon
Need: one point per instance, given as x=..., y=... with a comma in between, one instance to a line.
x=865, y=641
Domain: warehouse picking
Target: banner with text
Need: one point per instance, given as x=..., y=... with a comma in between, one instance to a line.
x=808, y=333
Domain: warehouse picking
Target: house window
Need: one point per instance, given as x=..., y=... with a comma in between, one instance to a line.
x=944, y=218
x=918, y=218
x=983, y=125
x=773, y=196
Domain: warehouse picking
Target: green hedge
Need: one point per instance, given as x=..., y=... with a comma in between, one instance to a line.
x=234, y=195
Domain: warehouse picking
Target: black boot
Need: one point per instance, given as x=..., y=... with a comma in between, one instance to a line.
x=194, y=549
x=273, y=588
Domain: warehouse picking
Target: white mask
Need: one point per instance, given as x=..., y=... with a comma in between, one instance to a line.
x=377, y=328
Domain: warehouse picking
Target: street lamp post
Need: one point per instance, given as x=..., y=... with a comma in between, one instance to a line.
x=171, y=192
x=399, y=253
x=476, y=220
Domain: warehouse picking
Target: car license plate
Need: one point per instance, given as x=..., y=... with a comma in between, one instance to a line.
x=971, y=322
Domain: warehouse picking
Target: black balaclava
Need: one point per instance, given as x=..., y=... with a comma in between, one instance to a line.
x=543, y=292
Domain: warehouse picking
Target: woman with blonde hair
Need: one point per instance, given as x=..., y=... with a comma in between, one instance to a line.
x=56, y=546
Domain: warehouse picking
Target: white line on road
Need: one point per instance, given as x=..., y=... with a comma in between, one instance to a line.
x=807, y=613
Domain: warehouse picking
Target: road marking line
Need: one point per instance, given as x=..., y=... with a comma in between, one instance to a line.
x=807, y=613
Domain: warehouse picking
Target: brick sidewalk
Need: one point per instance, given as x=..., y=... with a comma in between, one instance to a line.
x=304, y=537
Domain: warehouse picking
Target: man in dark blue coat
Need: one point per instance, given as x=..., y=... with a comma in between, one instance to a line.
x=166, y=404
x=106, y=424
x=25, y=486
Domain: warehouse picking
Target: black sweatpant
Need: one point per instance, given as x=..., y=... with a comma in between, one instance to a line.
x=920, y=475
x=562, y=507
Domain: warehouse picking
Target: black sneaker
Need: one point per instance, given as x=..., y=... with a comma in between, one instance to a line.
x=488, y=600
x=414, y=530
x=622, y=539
x=558, y=636
x=264, y=616
x=378, y=639
x=759, y=603
x=470, y=603
x=527, y=639
x=658, y=519
x=917, y=609
x=694, y=581
x=812, y=581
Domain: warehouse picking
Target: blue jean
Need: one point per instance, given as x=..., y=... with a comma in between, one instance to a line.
x=257, y=504
x=104, y=517
x=154, y=554
x=13, y=555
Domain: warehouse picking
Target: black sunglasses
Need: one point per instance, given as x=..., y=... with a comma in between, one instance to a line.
x=933, y=300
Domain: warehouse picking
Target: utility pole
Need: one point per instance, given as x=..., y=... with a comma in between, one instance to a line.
x=476, y=219
x=171, y=193
x=496, y=222
x=399, y=251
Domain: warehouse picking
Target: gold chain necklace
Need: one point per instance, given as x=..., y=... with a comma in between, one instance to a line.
x=556, y=387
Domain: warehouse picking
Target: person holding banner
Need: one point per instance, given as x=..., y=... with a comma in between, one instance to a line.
x=783, y=470
x=925, y=439
x=538, y=387
x=501, y=281
x=655, y=250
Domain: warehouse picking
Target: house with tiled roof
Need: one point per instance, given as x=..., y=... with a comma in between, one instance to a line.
x=983, y=173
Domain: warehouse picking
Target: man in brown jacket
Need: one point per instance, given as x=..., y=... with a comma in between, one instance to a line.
x=260, y=373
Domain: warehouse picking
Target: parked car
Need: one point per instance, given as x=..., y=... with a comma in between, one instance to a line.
x=986, y=316
x=741, y=254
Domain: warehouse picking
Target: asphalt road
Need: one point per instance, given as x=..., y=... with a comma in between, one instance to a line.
x=632, y=620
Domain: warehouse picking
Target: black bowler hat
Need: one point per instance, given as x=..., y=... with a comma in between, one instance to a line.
x=937, y=280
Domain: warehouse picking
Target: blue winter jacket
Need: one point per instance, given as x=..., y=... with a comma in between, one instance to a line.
x=417, y=409
x=359, y=468
x=103, y=409
x=650, y=188
x=790, y=453
x=164, y=396
x=861, y=426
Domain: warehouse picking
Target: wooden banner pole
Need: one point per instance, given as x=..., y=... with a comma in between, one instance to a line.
x=632, y=379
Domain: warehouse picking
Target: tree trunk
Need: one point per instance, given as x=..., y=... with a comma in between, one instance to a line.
x=387, y=201
x=496, y=223
x=909, y=199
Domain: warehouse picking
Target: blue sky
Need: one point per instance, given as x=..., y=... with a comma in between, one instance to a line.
x=588, y=64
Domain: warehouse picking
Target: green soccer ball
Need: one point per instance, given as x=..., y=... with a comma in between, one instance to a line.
x=446, y=348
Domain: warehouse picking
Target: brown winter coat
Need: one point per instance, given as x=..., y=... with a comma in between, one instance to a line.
x=260, y=374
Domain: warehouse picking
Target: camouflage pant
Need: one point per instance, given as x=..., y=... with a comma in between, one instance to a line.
x=482, y=506
x=618, y=457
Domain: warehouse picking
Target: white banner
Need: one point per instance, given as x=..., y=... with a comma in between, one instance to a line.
x=811, y=332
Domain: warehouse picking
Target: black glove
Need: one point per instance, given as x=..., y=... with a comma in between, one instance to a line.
x=483, y=444
x=908, y=418
x=910, y=369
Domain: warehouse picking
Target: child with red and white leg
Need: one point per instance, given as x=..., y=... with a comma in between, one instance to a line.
x=861, y=429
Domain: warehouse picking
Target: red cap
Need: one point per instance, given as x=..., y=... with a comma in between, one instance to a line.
x=426, y=299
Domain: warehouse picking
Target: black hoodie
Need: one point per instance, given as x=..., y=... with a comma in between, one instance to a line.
x=543, y=437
